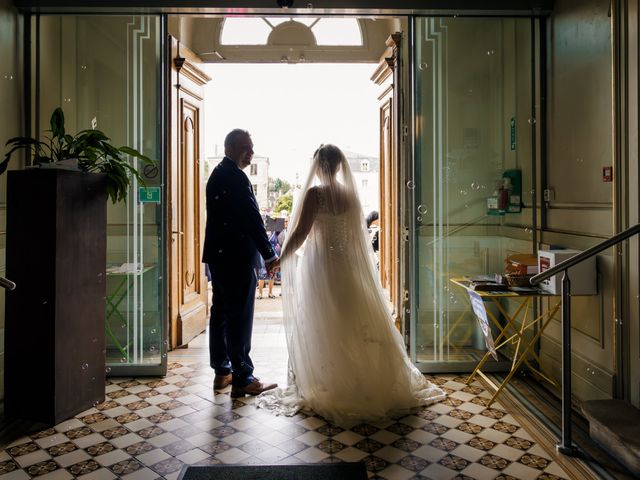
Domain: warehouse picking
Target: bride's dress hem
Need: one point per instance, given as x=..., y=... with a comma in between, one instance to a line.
x=285, y=401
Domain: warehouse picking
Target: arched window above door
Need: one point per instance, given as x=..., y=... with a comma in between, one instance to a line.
x=291, y=30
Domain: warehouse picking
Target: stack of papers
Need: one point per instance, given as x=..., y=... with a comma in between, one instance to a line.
x=488, y=286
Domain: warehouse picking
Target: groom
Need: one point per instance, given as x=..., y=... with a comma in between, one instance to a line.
x=234, y=236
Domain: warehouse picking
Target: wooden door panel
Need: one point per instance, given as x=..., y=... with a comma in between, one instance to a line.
x=188, y=302
x=190, y=225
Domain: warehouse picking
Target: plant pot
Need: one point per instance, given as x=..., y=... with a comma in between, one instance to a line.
x=56, y=254
x=69, y=164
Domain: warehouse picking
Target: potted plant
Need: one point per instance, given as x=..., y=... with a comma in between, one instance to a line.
x=56, y=254
x=87, y=151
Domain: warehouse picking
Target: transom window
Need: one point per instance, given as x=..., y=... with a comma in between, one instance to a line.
x=256, y=30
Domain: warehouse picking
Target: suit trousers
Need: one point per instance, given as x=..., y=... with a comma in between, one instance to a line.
x=231, y=321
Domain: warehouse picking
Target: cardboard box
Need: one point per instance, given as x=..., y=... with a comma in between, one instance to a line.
x=521, y=264
x=582, y=276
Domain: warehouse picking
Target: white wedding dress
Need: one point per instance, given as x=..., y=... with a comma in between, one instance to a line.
x=347, y=361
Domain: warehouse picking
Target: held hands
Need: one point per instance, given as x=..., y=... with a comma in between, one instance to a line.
x=273, y=267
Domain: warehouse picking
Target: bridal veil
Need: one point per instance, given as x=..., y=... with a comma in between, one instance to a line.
x=347, y=361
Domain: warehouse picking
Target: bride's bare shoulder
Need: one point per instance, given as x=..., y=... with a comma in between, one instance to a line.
x=312, y=197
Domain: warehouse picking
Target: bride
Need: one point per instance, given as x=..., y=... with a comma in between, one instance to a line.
x=347, y=361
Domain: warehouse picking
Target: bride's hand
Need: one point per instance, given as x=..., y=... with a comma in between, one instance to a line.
x=273, y=267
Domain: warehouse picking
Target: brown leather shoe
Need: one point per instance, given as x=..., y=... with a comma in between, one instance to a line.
x=254, y=388
x=222, y=381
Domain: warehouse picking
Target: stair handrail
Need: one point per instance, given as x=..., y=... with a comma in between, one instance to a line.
x=589, y=252
x=7, y=284
x=565, y=446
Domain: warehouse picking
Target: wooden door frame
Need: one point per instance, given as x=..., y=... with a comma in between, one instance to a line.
x=187, y=82
x=387, y=75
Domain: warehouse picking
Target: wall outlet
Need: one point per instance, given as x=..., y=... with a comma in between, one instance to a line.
x=549, y=195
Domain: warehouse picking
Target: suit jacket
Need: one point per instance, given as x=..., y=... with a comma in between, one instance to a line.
x=235, y=233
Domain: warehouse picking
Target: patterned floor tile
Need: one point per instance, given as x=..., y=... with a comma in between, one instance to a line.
x=150, y=428
x=125, y=467
x=368, y=445
x=83, y=468
x=42, y=468
x=406, y=444
x=495, y=462
x=481, y=443
x=454, y=462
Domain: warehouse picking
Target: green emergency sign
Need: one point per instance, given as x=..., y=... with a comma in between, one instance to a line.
x=149, y=194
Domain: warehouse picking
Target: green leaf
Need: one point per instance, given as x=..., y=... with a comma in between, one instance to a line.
x=22, y=140
x=5, y=163
x=135, y=153
x=57, y=123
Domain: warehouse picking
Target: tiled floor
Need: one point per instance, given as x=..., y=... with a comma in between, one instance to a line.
x=148, y=428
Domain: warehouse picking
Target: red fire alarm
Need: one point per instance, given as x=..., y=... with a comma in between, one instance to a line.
x=607, y=174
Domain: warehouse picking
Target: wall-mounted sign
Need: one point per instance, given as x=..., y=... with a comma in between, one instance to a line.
x=149, y=194
x=607, y=174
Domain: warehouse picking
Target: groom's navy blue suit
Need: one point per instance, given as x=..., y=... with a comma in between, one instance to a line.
x=234, y=236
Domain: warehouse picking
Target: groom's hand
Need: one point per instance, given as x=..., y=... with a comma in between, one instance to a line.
x=273, y=266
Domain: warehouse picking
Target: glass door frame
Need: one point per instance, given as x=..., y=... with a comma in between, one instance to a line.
x=32, y=121
x=410, y=209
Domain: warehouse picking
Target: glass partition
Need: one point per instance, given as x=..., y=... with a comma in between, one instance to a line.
x=105, y=71
x=472, y=114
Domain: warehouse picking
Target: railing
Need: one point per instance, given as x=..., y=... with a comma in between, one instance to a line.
x=565, y=445
x=7, y=284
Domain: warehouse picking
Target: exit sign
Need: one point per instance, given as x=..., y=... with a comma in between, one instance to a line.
x=149, y=194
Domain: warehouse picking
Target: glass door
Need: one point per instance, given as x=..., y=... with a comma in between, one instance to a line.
x=105, y=72
x=472, y=129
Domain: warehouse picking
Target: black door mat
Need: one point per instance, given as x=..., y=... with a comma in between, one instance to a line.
x=322, y=471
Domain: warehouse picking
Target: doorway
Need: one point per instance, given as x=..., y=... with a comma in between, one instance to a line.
x=284, y=79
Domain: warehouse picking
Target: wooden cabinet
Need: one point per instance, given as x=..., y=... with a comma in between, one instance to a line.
x=56, y=254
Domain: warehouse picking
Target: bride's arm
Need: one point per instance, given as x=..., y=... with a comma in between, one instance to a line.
x=303, y=226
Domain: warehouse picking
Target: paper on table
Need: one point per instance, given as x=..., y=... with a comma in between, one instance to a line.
x=481, y=314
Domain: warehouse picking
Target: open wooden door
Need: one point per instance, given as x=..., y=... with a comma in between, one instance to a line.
x=386, y=75
x=188, y=283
